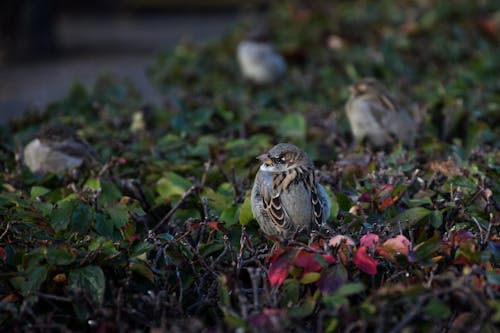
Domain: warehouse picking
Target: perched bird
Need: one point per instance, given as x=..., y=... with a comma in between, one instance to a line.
x=286, y=197
x=57, y=149
x=375, y=116
x=259, y=62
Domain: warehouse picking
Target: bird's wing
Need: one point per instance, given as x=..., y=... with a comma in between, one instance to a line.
x=271, y=199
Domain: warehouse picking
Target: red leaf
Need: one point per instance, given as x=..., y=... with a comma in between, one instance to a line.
x=387, y=202
x=133, y=237
x=364, y=262
x=365, y=197
x=369, y=241
x=3, y=254
x=277, y=252
x=216, y=225
x=278, y=271
x=307, y=260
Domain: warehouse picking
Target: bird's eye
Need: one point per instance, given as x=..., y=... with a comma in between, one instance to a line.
x=282, y=159
x=277, y=160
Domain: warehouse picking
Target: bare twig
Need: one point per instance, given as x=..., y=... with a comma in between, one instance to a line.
x=5, y=231
x=169, y=215
x=53, y=297
x=409, y=315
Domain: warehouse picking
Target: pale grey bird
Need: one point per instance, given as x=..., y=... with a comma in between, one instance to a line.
x=57, y=149
x=286, y=197
x=375, y=116
x=259, y=61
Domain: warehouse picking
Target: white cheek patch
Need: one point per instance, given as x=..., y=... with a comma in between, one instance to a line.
x=268, y=168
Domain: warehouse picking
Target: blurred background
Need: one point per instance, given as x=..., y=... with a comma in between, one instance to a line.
x=47, y=45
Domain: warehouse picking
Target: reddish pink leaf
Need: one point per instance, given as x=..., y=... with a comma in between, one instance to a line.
x=277, y=252
x=398, y=245
x=309, y=260
x=122, y=160
x=369, y=241
x=364, y=262
x=3, y=254
x=278, y=271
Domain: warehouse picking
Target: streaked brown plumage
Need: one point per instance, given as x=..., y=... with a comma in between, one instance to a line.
x=286, y=198
x=376, y=116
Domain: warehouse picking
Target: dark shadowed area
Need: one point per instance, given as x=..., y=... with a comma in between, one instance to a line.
x=44, y=53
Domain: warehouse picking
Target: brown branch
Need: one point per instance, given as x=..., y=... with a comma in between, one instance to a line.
x=169, y=215
x=5, y=231
x=53, y=297
x=409, y=315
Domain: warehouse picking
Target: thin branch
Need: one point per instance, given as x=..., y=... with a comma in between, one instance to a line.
x=5, y=231
x=53, y=297
x=409, y=315
x=169, y=215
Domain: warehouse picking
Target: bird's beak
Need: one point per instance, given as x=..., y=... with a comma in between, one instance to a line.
x=264, y=158
x=351, y=89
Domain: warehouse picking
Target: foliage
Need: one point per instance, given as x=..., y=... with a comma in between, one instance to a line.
x=161, y=236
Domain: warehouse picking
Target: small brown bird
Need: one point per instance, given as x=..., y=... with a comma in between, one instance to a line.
x=259, y=61
x=286, y=197
x=375, y=116
x=57, y=149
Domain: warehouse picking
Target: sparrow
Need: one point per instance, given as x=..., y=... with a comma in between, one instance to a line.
x=286, y=197
x=259, y=62
x=377, y=117
x=57, y=149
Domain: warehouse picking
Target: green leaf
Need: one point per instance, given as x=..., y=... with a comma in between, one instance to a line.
x=172, y=186
x=412, y=215
x=93, y=184
x=245, y=212
x=90, y=279
x=310, y=278
x=343, y=201
x=293, y=126
x=426, y=249
x=436, y=218
x=349, y=289
x=463, y=182
x=110, y=193
x=81, y=218
x=142, y=268
x=60, y=256
x=305, y=309
x=118, y=215
x=38, y=191
x=103, y=225
x=61, y=215
x=229, y=216
x=35, y=277
x=438, y=310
